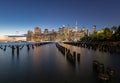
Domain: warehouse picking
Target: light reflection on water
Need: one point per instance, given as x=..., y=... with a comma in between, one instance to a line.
x=47, y=64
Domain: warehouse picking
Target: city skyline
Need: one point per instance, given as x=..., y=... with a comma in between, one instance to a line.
x=18, y=16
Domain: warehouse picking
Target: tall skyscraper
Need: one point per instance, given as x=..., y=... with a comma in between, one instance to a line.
x=30, y=36
x=37, y=31
x=87, y=32
x=37, y=34
x=46, y=31
x=68, y=30
x=76, y=27
x=53, y=30
x=94, y=28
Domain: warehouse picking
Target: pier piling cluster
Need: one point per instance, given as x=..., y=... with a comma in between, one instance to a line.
x=18, y=47
x=103, y=74
x=111, y=47
x=66, y=52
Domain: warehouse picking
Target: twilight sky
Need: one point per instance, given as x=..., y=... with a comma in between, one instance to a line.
x=24, y=15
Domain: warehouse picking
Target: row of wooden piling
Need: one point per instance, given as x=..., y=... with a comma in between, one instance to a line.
x=20, y=47
x=103, y=74
x=66, y=52
x=106, y=47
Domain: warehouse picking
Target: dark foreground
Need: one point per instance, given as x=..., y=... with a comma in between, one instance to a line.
x=46, y=64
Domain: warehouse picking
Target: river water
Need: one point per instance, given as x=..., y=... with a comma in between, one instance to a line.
x=46, y=64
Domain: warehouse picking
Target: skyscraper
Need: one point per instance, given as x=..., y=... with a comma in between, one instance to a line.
x=76, y=27
x=46, y=31
x=94, y=29
x=37, y=34
x=87, y=32
x=30, y=36
x=68, y=31
x=37, y=31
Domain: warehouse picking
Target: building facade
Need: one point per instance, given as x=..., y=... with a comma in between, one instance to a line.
x=63, y=34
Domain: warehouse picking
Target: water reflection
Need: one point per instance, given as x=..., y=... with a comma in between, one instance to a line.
x=12, y=57
x=47, y=64
x=36, y=55
x=88, y=55
x=17, y=56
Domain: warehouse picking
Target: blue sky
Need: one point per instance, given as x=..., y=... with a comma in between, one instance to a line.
x=23, y=15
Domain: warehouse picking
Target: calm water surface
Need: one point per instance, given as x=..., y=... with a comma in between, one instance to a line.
x=45, y=64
